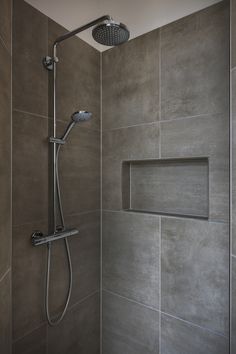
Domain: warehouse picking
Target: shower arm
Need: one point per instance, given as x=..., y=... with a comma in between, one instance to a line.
x=50, y=64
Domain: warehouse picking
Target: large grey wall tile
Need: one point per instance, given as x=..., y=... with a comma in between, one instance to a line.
x=5, y=159
x=33, y=343
x=141, y=142
x=6, y=23
x=78, y=77
x=30, y=79
x=195, y=272
x=85, y=255
x=30, y=168
x=195, y=64
x=79, y=168
x=131, y=256
x=128, y=327
x=233, y=307
x=79, y=332
x=5, y=310
x=178, y=337
x=233, y=152
x=131, y=91
x=203, y=136
x=29, y=267
x=233, y=33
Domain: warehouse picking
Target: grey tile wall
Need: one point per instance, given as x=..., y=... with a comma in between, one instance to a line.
x=191, y=120
x=128, y=327
x=182, y=337
x=78, y=88
x=233, y=309
x=5, y=175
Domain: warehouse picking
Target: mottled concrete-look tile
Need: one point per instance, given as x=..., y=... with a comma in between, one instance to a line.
x=85, y=255
x=128, y=327
x=6, y=23
x=131, y=256
x=30, y=79
x=203, y=136
x=233, y=308
x=141, y=142
x=178, y=337
x=233, y=33
x=78, y=77
x=30, y=168
x=33, y=343
x=233, y=78
x=195, y=64
x=131, y=91
x=6, y=312
x=28, y=283
x=5, y=159
x=195, y=272
x=79, y=331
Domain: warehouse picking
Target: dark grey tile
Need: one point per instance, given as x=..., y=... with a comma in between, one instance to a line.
x=79, y=166
x=178, y=186
x=233, y=77
x=33, y=343
x=131, y=90
x=30, y=168
x=195, y=64
x=5, y=159
x=233, y=308
x=85, y=255
x=141, y=142
x=6, y=312
x=128, y=327
x=195, y=272
x=233, y=33
x=79, y=331
x=203, y=136
x=6, y=23
x=78, y=77
x=29, y=267
x=30, y=79
x=179, y=337
x=131, y=256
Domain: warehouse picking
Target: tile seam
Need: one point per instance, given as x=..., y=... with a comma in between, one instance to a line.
x=4, y=275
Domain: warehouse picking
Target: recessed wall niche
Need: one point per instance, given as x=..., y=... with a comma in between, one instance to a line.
x=177, y=187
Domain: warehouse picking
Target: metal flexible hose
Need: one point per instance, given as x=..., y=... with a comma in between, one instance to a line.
x=59, y=319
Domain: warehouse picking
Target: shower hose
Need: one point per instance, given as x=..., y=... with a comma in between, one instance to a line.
x=59, y=319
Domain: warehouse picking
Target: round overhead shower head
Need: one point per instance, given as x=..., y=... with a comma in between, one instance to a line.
x=110, y=33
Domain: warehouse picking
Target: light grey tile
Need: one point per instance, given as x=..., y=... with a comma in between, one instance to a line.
x=177, y=187
x=195, y=272
x=131, y=91
x=79, y=169
x=141, y=142
x=195, y=64
x=178, y=337
x=131, y=256
x=233, y=33
x=30, y=79
x=79, y=331
x=5, y=159
x=85, y=256
x=128, y=327
x=28, y=283
x=78, y=77
x=33, y=343
x=6, y=313
x=233, y=308
x=30, y=168
x=6, y=23
x=203, y=136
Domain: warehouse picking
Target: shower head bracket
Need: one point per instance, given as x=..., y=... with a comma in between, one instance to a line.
x=48, y=62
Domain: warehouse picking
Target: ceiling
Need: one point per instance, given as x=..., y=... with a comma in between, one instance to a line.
x=140, y=16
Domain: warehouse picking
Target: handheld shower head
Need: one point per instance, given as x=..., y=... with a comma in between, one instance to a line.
x=110, y=33
x=77, y=117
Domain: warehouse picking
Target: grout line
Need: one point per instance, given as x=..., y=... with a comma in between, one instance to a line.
x=70, y=308
x=131, y=126
x=232, y=255
x=42, y=324
x=30, y=113
x=5, y=274
x=166, y=314
x=160, y=97
x=230, y=179
x=4, y=44
x=101, y=216
x=160, y=248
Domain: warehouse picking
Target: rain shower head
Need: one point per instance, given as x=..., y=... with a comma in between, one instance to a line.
x=81, y=116
x=110, y=33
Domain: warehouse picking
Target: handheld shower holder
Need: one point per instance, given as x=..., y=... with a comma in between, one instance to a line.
x=48, y=62
x=57, y=141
